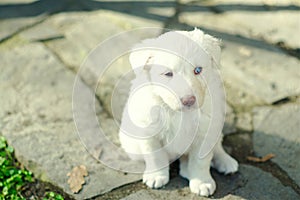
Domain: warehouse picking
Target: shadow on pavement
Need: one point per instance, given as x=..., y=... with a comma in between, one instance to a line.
x=138, y=8
x=141, y=9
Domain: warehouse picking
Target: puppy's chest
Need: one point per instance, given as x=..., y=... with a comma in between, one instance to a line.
x=184, y=122
x=183, y=128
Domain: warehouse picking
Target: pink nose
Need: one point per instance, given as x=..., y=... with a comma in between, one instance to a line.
x=188, y=100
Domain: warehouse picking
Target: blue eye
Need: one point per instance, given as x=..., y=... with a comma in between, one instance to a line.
x=197, y=70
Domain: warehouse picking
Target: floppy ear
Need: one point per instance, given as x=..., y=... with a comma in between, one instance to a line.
x=213, y=47
x=209, y=43
x=142, y=55
x=141, y=59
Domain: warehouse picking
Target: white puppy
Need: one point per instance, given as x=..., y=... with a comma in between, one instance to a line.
x=164, y=119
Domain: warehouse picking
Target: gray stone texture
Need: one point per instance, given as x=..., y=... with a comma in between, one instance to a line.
x=10, y=27
x=251, y=183
x=36, y=118
x=79, y=42
x=17, y=15
x=245, y=68
x=252, y=19
x=276, y=130
x=41, y=32
x=262, y=185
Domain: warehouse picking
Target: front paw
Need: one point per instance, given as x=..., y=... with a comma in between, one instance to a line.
x=202, y=188
x=226, y=164
x=156, y=179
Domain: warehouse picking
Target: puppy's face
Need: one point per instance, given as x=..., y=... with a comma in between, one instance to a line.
x=176, y=64
x=176, y=81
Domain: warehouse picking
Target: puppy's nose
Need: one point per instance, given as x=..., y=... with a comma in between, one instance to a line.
x=188, y=100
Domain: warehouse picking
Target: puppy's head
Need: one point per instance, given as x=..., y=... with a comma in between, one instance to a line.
x=175, y=64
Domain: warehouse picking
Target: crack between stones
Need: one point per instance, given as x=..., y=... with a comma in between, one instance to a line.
x=246, y=149
x=278, y=173
x=73, y=70
x=70, y=68
x=49, y=39
x=43, y=18
x=294, y=52
x=270, y=167
x=283, y=101
x=286, y=100
x=173, y=18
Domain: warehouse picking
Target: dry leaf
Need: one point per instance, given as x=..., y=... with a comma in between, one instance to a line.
x=262, y=159
x=76, y=179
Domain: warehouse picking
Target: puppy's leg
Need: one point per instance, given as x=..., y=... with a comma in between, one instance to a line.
x=222, y=161
x=201, y=181
x=184, y=167
x=156, y=174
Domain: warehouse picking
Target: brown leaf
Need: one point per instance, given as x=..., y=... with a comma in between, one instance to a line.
x=76, y=179
x=262, y=159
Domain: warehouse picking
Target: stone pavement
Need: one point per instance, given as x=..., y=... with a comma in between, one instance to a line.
x=43, y=43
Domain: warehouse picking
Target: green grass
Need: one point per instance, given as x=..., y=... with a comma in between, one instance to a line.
x=53, y=196
x=13, y=177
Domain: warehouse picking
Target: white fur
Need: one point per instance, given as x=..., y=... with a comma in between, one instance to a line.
x=167, y=126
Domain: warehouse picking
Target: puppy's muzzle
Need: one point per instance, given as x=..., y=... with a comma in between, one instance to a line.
x=188, y=100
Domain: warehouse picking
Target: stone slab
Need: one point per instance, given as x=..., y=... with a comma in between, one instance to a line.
x=9, y=27
x=41, y=33
x=262, y=185
x=252, y=183
x=256, y=76
x=276, y=130
x=17, y=15
x=271, y=21
x=37, y=120
x=84, y=32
